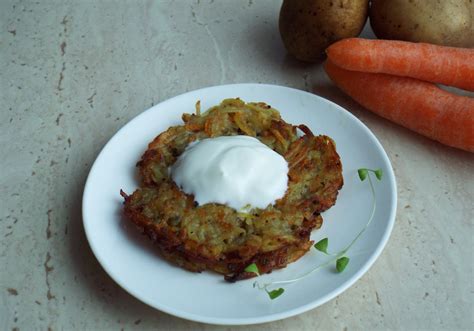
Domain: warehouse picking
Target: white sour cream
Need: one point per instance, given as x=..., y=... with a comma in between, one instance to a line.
x=238, y=171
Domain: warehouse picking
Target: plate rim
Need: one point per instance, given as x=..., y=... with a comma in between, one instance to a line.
x=273, y=316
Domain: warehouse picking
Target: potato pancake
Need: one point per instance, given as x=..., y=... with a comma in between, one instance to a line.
x=215, y=236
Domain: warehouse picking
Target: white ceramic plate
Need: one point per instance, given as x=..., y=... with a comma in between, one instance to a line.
x=132, y=262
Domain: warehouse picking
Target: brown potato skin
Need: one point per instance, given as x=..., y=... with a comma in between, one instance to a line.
x=441, y=22
x=308, y=27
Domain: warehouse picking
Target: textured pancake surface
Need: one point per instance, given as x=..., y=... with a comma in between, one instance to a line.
x=217, y=237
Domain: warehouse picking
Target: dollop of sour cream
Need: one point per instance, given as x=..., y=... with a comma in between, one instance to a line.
x=238, y=171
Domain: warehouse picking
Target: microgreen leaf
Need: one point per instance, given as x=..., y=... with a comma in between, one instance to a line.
x=322, y=245
x=378, y=174
x=275, y=293
x=252, y=268
x=341, y=263
x=362, y=173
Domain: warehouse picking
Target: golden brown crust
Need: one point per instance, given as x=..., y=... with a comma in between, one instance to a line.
x=214, y=236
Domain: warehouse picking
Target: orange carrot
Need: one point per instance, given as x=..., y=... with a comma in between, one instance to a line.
x=420, y=106
x=438, y=64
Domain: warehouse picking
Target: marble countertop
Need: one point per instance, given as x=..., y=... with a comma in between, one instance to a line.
x=74, y=72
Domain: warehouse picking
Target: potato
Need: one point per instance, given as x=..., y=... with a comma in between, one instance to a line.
x=442, y=22
x=308, y=27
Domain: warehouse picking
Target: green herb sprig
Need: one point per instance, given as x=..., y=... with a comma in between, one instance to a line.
x=339, y=257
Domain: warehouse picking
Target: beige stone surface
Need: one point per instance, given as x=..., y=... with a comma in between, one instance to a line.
x=73, y=72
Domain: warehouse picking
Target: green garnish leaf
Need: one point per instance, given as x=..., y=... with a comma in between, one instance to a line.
x=252, y=268
x=378, y=174
x=322, y=245
x=275, y=293
x=341, y=263
x=362, y=173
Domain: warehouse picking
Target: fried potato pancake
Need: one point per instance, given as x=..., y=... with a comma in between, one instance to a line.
x=217, y=237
